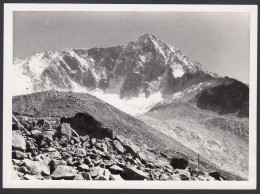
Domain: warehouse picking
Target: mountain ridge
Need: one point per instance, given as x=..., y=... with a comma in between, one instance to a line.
x=146, y=59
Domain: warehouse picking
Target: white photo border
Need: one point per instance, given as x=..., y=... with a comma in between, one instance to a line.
x=7, y=98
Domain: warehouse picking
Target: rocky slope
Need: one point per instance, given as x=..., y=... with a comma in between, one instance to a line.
x=69, y=138
x=210, y=118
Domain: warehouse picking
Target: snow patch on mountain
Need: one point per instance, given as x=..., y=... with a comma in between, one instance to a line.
x=178, y=73
x=21, y=84
x=134, y=106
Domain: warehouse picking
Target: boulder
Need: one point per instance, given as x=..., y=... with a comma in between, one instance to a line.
x=36, y=133
x=134, y=174
x=43, y=124
x=142, y=156
x=42, y=144
x=76, y=139
x=116, y=169
x=48, y=136
x=55, y=155
x=43, y=157
x=100, y=153
x=54, y=164
x=64, y=172
x=18, y=155
x=184, y=177
x=105, y=176
x=93, y=141
x=29, y=177
x=164, y=177
x=83, y=167
x=86, y=144
x=84, y=138
x=87, y=160
x=115, y=177
x=78, y=177
x=86, y=176
x=179, y=163
x=96, y=171
x=81, y=152
x=64, y=131
x=65, y=155
x=17, y=162
x=216, y=176
x=51, y=149
x=37, y=167
x=18, y=141
x=119, y=146
x=30, y=146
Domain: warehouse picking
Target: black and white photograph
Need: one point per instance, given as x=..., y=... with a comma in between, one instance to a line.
x=153, y=96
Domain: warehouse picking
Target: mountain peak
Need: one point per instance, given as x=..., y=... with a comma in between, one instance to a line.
x=149, y=36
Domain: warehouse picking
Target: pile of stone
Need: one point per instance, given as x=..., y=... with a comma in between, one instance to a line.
x=45, y=151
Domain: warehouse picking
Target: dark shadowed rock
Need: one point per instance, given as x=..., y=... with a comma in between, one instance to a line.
x=18, y=155
x=116, y=169
x=216, y=176
x=134, y=174
x=83, y=167
x=86, y=176
x=65, y=155
x=87, y=160
x=226, y=98
x=184, y=177
x=115, y=177
x=54, y=164
x=179, y=163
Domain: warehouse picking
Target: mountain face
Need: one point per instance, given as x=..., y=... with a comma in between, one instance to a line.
x=145, y=65
x=146, y=69
x=218, y=99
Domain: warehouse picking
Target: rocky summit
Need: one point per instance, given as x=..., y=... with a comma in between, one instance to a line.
x=144, y=66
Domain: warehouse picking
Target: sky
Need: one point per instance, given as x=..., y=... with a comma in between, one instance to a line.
x=219, y=41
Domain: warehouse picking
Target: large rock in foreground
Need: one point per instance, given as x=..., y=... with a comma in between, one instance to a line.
x=18, y=141
x=179, y=163
x=64, y=172
x=134, y=174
